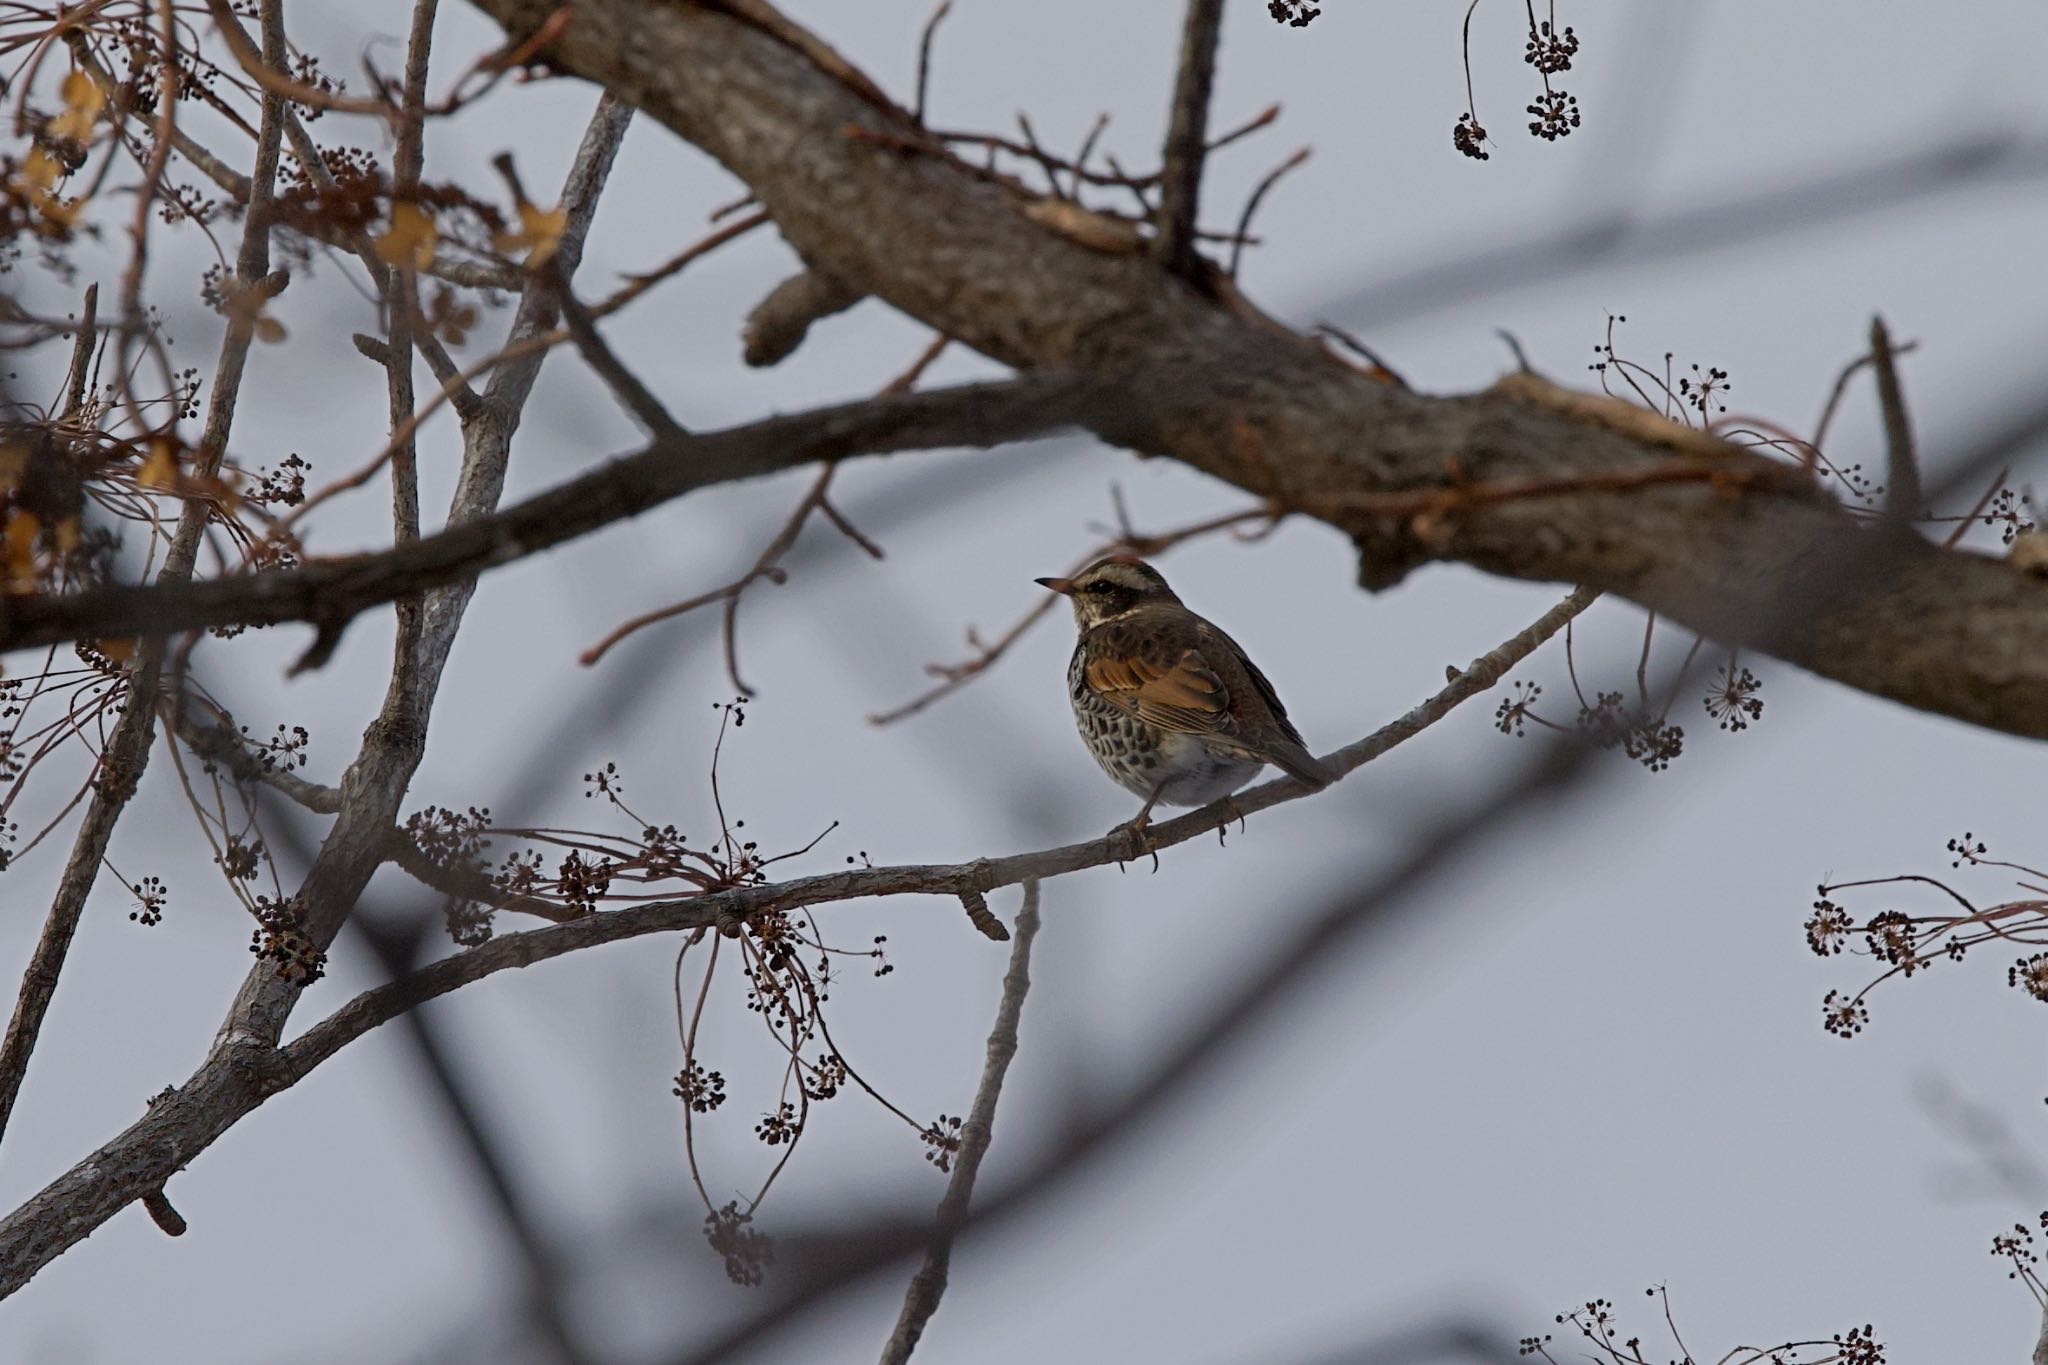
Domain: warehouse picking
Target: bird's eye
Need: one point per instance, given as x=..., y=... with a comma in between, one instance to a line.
x=1101, y=585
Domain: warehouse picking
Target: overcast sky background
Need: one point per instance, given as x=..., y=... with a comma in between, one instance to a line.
x=1587, y=1059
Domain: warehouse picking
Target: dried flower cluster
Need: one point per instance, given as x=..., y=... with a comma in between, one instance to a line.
x=1600, y=1335
x=1554, y=113
x=2016, y=1248
x=1296, y=13
x=1906, y=943
x=1641, y=729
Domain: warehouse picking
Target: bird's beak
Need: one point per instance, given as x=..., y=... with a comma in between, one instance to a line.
x=1059, y=585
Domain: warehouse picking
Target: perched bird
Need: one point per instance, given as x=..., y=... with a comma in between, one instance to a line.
x=1168, y=704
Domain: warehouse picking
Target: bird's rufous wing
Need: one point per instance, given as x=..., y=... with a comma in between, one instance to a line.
x=1173, y=692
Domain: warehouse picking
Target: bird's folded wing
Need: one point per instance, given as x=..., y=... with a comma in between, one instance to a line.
x=1184, y=695
x=1263, y=688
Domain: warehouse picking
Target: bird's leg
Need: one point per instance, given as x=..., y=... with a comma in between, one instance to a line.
x=1131, y=835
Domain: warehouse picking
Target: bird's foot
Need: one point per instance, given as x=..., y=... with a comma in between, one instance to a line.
x=1133, y=840
x=1233, y=812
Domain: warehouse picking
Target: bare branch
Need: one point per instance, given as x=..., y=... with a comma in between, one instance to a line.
x=921, y=1300
x=258, y=67
x=242, y=1070
x=1181, y=176
x=779, y=322
x=465, y=883
x=767, y=565
x=924, y=56
x=624, y=384
x=402, y=314
x=1902, y=469
x=1251, y=205
x=81, y=354
x=330, y=593
x=217, y=742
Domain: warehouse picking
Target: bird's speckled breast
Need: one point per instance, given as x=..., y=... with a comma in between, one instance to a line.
x=1184, y=770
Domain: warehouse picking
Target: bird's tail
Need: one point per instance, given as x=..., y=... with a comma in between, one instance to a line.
x=1300, y=764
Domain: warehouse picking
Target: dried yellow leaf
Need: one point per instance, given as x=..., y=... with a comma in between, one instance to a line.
x=245, y=304
x=540, y=232
x=410, y=240
x=59, y=215
x=160, y=470
x=40, y=170
x=2029, y=553
x=20, y=548
x=83, y=100
x=1097, y=232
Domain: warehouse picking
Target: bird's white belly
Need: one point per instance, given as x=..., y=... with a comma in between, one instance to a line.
x=1195, y=774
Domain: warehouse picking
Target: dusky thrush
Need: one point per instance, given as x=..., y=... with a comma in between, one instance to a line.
x=1168, y=704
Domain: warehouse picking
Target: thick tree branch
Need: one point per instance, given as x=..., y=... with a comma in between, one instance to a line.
x=332, y=592
x=1948, y=631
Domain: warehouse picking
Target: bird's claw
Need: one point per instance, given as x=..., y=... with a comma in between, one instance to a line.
x=1234, y=812
x=1133, y=840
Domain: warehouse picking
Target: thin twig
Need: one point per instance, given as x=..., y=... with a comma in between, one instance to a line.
x=218, y=742
x=921, y=1299
x=1046, y=161
x=1902, y=468
x=768, y=566
x=1117, y=177
x=1251, y=205
x=1376, y=365
x=624, y=384
x=1977, y=508
x=924, y=57
x=82, y=347
x=905, y=382
x=1080, y=167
